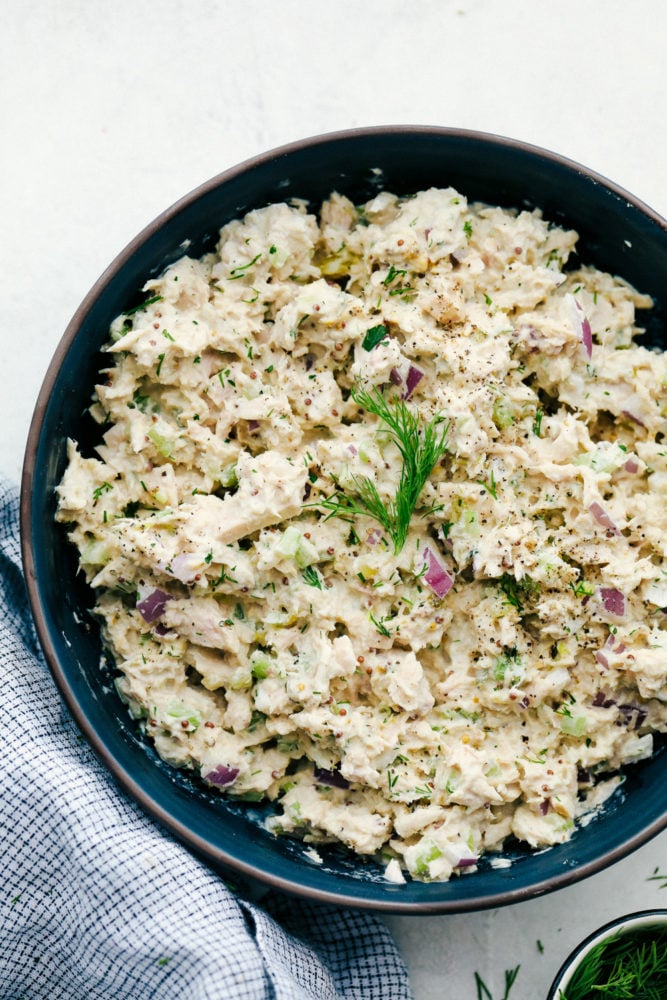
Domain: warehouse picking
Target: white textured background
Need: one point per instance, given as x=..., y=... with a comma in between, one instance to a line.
x=109, y=112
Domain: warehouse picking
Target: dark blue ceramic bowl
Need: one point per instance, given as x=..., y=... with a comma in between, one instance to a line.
x=618, y=234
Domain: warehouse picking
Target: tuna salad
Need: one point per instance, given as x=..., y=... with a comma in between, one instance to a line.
x=377, y=525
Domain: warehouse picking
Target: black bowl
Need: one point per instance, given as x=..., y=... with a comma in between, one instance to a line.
x=617, y=233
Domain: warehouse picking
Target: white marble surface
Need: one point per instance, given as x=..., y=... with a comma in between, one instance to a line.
x=110, y=112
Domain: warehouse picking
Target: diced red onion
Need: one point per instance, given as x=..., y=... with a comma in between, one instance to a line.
x=151, y=607
x=544, y=807
x=395, y=377
x=611, y=644
x=601, y=701
x=253, y=425
x=613, y=601
x=631, y=465
x=533, y=336
x=634, y=711
x=582, y=327
x=602, y=517
x=631, y=416
x=334, y=778
x=221, y=775
x=415, y=375
x=437, y=576
x=186, y=567
x=587, y=336
x=352, y=450
x=374, y=536
x=467, y=862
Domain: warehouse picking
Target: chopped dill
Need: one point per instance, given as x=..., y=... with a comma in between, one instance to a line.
x=420, y=446
x=491, y=486
x=99, y=490
x=483, y=991
x=659, y=876
x=374, y=336
x=142, y=305
x=514, y=589
x=380, y=625
x=626, y=965
x=393, y=273
x=312, y=577
x=238, y=272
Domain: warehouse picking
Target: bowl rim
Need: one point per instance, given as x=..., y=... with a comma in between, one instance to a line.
x=211, y=853
x=627, y=921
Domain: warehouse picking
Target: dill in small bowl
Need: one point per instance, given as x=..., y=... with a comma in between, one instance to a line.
x=625, y=960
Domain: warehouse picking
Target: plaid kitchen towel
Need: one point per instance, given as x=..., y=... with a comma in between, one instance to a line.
x=98, y=902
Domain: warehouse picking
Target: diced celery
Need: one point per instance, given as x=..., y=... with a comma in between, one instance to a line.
x=508, y=670
x=294, y=546
x=278, y=256
x=262, y=665
x=605, y=457
x=503, y=413
x=423, y=860
x=163, y=444
x=181, y=712
x=453, y=781
x=294, y=810
x=95, y=552
x=228, y=477
x=289, y=542
x=573, y=725
x=338, y=264
x=241, y=679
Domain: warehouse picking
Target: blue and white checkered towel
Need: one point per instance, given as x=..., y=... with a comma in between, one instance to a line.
x=98, y=902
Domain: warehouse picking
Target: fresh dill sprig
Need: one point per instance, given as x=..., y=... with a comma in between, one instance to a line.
x=380, y=624
x=491, y=486
x=626, y=966
x=483, y=992
x=514, y=590
x=659, y=876
x=312, y=577
x=420, y=447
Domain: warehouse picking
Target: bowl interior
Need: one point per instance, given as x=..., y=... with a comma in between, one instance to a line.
x=616, y=234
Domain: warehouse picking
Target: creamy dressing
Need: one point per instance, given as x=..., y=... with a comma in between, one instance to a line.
x=418, y=700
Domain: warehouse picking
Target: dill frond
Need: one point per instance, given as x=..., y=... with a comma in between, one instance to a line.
x=420, y=448
x=630, y=966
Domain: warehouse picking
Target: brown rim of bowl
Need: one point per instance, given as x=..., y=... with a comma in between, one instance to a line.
x=214, y=855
